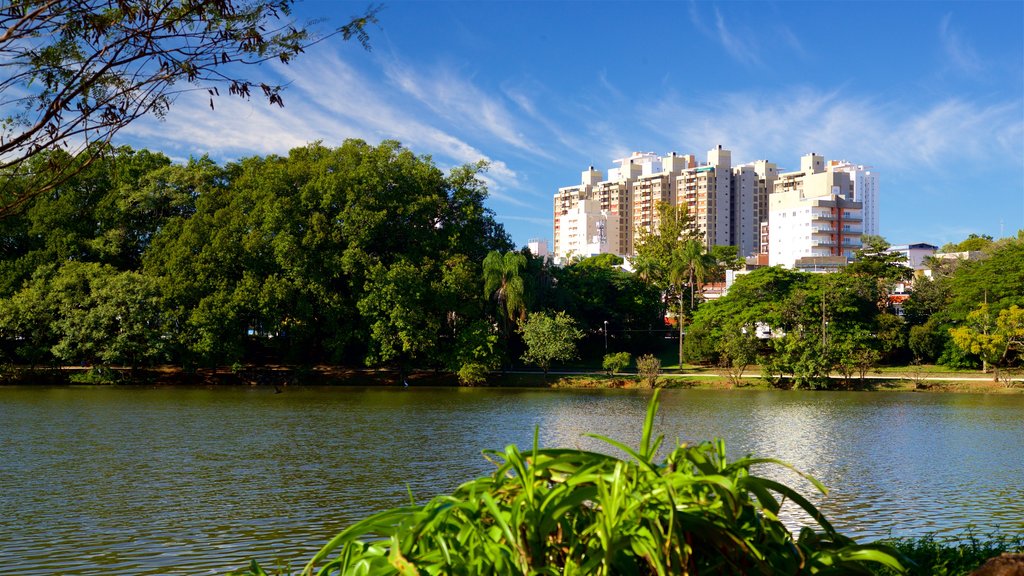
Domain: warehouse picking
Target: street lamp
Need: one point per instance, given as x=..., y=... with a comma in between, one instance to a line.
x=606, y=337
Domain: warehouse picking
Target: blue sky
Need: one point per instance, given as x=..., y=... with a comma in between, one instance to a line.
x=930, y=94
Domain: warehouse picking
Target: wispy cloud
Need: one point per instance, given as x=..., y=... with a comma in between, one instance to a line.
x=327, y=100
x=958, y=51
x=742, y=51
x=786, y=125
x=453, y=97
x=530, y=219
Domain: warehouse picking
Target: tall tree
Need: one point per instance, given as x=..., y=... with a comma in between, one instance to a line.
x=77, y=71
x=673, y=257
x=503, y=282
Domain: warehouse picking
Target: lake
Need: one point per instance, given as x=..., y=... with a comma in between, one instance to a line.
x=197, y=481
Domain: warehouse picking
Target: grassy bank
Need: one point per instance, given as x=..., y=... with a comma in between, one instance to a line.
x=933, y=555
x=895, y=378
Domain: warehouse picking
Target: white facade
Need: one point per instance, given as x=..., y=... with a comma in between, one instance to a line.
x=732, y=205
x=538, y=247
x=811, y=215
x=865, y=191
x=916, y=254
x=585, y=231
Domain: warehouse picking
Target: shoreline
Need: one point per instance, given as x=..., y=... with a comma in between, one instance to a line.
x=889, y=379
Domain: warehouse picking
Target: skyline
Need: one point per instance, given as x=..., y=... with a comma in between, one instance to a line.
x=930, y=95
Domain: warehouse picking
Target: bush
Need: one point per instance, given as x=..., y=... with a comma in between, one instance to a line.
x=616, y=362
x=563, y=511
x=648, y=367
x=96, y=375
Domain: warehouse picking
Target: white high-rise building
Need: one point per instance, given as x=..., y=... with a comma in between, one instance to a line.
x=585, y=230
x=865, y=191
x=731, y=204
x=811, y=215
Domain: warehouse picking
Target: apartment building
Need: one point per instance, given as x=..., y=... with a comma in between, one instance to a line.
x=751, y=185
x=731, y=205
x=585, y=230
x=613, y=196
x=813, y=222
x=637, y=183
x=865, y=190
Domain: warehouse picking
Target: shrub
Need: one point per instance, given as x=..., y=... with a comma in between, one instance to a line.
x=648, y=367
x=616, y=362
x=563, y=511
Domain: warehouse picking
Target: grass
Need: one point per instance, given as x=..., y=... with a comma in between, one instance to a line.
x=932, y=555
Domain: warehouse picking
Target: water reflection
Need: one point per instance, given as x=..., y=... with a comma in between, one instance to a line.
x=111, y=481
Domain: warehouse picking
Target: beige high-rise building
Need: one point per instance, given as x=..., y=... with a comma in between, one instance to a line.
x=655, y=185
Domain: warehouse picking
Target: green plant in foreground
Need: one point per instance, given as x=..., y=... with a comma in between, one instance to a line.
x=561, y=511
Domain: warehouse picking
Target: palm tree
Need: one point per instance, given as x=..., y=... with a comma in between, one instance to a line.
x=503, y=281
x=689, y=266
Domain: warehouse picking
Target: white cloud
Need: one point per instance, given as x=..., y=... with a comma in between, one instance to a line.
x=326, y=100
x=960, y=54
x=734, y=45
x=462, y=103
x=786, y=125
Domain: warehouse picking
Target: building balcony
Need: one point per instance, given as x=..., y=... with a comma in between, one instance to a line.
x=823, y=217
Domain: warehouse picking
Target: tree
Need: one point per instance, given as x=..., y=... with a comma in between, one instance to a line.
x=973, y=243
x=874, y=260
x=648, y=368
x=503, y=281
x=615, y=362
x=991, y=337
x=737, y=351
x=549, y=338
x=672, y=257
x=77, y=71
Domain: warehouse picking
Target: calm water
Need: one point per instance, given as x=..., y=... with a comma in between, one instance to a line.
x=183, y=481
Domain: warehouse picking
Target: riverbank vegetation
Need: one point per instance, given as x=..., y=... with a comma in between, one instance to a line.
x=371, y=257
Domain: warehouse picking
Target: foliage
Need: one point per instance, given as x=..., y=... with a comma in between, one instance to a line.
x=672, y=257
x=958, y=555
x=594, y=291
x=927, y=342
x=616, y=362
x=648, y=368
x=357, y=254
x=503, y=283
x=549, y=337
x=738, y=349
x=997, y=339
x=972, y=243
x=77, y=71
x=565, y=511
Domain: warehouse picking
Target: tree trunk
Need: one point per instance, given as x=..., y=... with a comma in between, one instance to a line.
x=679, y=321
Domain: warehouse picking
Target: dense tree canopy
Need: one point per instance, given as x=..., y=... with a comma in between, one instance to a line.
x=354, y=254
x=366, y=255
